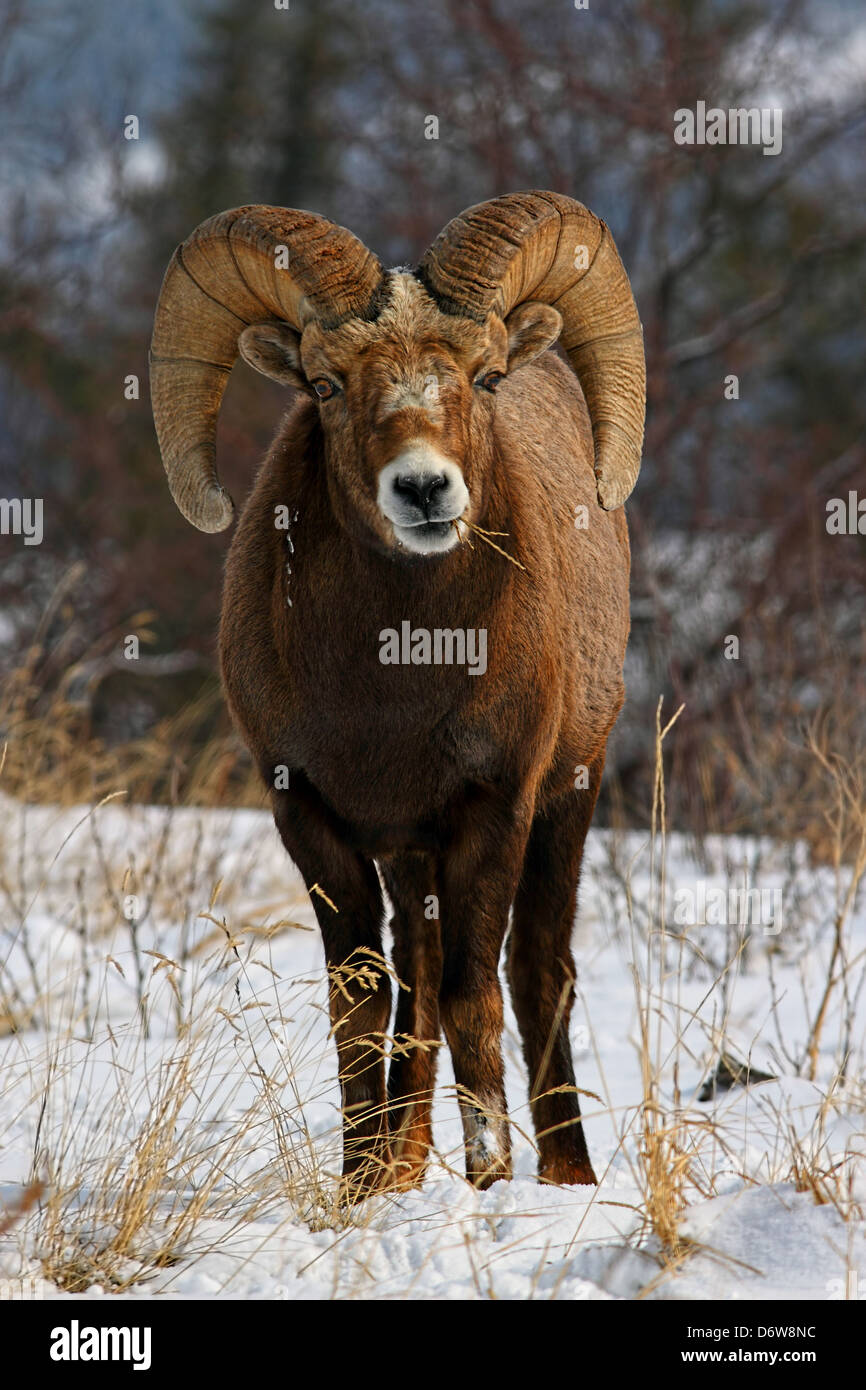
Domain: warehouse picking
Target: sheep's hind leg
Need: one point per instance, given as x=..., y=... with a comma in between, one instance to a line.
x=410, y=881
x=541, y=977
x=347, y=899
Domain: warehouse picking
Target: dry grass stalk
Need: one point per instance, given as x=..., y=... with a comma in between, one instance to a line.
x=485, y=536
x=665, y=1158
x=846, y=821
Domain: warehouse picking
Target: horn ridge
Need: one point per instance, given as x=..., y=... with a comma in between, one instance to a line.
x=498, y=254
x=224, y=276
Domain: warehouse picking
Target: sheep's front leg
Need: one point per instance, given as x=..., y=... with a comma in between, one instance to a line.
x=347, y=900
x=478, y=880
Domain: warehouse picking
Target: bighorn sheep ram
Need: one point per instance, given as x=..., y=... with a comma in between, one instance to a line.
x=430, y=406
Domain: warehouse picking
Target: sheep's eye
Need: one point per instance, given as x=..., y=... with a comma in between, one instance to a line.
x=323, y=387
x=491, y=380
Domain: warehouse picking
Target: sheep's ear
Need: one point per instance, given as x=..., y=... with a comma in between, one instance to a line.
x=274, y=349
x=532, y=328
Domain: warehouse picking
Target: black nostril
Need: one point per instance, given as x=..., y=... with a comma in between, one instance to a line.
x=407, y=486
x=437, y=482
x=420, y=488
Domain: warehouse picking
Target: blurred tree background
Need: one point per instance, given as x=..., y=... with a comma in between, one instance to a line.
x=743, y=266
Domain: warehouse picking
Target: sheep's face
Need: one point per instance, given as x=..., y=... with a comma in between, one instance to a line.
x=406, y=404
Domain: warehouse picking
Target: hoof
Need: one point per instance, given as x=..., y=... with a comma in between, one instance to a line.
x=368, y=1179
x=407, y=1172
x=486, y=1177
x=411, y=1153
x=568, y=1172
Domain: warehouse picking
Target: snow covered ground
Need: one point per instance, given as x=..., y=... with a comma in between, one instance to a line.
x=171, y=1081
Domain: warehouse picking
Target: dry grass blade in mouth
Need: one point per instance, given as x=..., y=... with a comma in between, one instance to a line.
x=485, y=536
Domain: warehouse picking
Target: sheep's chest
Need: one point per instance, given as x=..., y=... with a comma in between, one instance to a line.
x=397, y=753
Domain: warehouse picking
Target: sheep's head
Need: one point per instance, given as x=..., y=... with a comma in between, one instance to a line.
x=405, y=402
x=404, y=366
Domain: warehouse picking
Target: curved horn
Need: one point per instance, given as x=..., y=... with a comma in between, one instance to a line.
x=241, y=267
x=547, y=247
